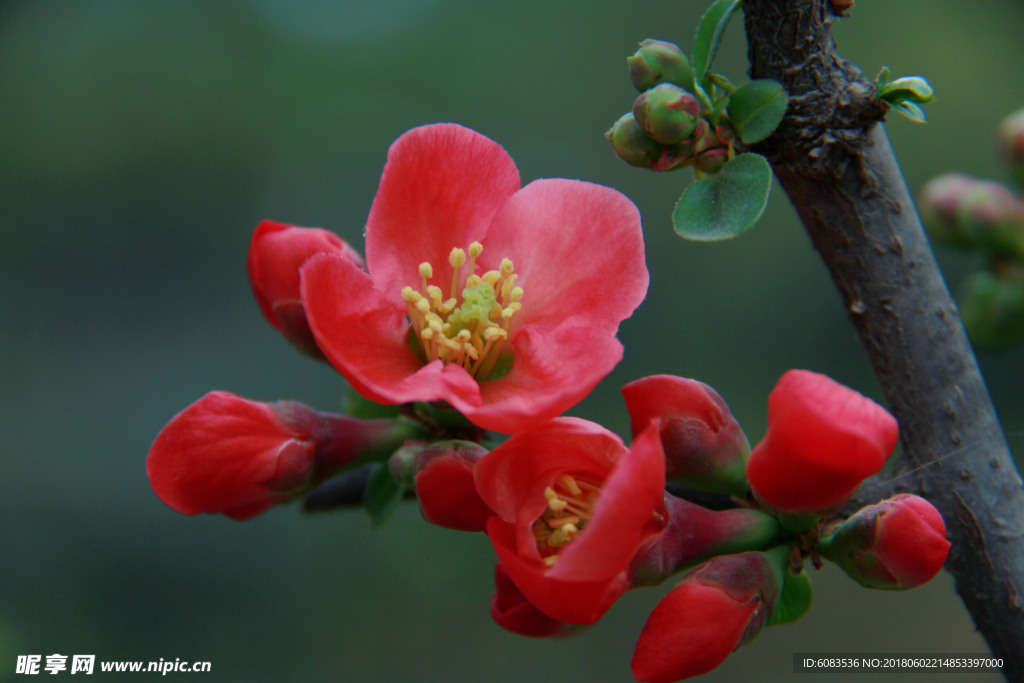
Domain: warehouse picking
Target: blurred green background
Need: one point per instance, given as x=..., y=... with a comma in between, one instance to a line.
x=140, y=144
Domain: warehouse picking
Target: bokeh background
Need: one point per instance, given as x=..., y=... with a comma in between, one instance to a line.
x=140, y=144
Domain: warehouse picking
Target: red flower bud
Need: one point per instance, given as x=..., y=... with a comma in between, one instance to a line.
x=230, y=455
x=823, y=440
x=513, y=612
x=572, y=505
x=717, y=607
x=444, y=485
x=704, y=445
x=895, y=544
x=276, y=253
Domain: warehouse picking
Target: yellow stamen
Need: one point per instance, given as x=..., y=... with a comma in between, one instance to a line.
x=426, y=272
x=569, y=484
x=475, y=249
x=570, y=506
x=470, y=327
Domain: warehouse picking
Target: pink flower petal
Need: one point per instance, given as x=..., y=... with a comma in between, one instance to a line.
x=578, y=249
x=554, y=369
x=440, y=188
x=574, y=602
x=623, y=514
x=363, y=335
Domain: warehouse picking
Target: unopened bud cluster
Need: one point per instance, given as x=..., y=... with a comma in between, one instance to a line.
x=986, y=216
x=669, y=126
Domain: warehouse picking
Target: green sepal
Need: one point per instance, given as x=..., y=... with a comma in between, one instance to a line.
x=723, y=205
x=356, y=405
x=383, y=494
x=756, y=109
x=797, y=524
x=709, y=37
x=794, y=600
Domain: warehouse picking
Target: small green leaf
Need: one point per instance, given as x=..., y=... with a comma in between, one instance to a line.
x=383, y=494
x=709, y=36
x=723, y=205
x=756, y=109
x=794, y=600
x=910, y=110
x=913, y=88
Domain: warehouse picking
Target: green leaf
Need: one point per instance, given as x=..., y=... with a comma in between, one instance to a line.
x=913, y=88
x=709, y=36
x=794, y=600
x=756, y=109
x=724, y=205
x=357, y=406
x=383, y=494
x=910, y=110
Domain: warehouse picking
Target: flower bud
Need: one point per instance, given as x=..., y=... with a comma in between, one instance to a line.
x=712, y=160
x=704, y=444
x=717, y=607
x=659, y=61
x=992, y=309
x=823, y=440
x=693, y=534
x=276, y=253
x=895, y=544
x=513, y=612
x=993, y=217
x=226, y=454
x=636, y=148
x=667, y=113
x=704, y=137
x=939, y=205
x=1010, y=143
x=443, y=474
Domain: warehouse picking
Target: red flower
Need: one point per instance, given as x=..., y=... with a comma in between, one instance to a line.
x=704, y=444
x=513, y=612
x=276, y=253
x=572, y=506
x=227, y=454
x=502, y=301
x=895, y=544
x=823, y=440
x=718, y=607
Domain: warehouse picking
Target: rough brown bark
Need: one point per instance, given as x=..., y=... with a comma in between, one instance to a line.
x=832, y=157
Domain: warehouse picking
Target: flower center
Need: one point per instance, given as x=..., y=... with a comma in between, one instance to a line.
x=570, y=506
x=470, y=326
